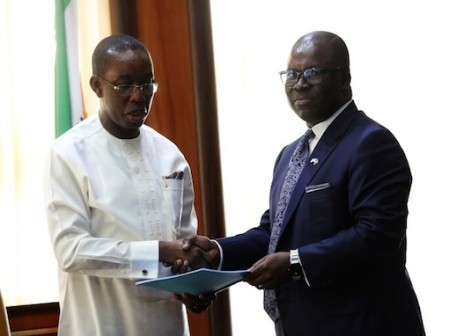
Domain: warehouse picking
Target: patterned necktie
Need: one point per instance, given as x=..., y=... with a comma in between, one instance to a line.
x=295, y=167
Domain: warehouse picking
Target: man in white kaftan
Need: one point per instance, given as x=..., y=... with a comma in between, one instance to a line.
x=118, y=195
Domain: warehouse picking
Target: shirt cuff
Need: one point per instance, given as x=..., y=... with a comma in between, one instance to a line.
x=220, y=265
x=303, y=271
x=144, y=259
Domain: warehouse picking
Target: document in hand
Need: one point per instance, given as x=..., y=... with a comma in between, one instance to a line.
x=202, y=280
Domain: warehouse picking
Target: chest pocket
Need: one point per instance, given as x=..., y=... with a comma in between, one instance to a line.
x=173, y=190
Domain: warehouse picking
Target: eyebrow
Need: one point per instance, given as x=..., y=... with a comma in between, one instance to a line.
x=128, y=79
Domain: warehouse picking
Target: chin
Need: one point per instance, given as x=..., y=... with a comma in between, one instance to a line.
x=135, y=125
x=303, y=114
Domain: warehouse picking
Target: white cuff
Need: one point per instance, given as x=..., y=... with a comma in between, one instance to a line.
x=144, y=259
x=220, y=265
x=303, y=271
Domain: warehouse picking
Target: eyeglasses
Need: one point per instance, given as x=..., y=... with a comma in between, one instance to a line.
x=128, y=89
x=312, y=76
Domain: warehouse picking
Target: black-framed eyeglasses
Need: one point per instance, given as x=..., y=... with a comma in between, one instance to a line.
x=312, y=76
x=128, y=89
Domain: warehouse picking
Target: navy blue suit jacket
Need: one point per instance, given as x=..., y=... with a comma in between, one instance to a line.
x=348, y=217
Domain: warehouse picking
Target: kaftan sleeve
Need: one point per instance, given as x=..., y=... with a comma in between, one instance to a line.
x=75, y=245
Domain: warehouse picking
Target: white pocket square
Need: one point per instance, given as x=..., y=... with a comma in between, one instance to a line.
x=317, y=187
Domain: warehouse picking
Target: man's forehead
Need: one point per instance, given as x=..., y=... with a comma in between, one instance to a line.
x=304, y=43
x=123, y=54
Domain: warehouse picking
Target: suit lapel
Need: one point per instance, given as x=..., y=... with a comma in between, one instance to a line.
x=324, y=148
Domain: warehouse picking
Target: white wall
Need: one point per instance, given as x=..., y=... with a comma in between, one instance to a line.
x=399, y=52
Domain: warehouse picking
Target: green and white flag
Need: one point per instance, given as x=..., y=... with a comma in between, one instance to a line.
x=68, y=97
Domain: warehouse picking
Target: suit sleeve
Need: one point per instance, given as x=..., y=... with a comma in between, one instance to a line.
x=243, y=250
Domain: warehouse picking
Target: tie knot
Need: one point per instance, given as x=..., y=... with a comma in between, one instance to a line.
x=308, y=135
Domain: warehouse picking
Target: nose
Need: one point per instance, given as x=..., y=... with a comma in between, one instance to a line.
x=137, y=94
x=300, y=82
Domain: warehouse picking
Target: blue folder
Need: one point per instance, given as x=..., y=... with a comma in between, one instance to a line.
x=203, y=280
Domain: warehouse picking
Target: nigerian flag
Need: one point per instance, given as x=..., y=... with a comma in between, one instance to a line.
x=68, y=99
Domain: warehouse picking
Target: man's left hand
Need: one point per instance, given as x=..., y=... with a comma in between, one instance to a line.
x=270, y=272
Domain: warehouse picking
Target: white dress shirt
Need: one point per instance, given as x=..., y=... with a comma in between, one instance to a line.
x=320, y=128
x=108, y=204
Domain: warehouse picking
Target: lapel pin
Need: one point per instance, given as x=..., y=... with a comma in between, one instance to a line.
x=314, y=161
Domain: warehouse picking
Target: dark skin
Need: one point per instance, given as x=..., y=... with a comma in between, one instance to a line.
x=316, y=103
x=122, y=116
x=313, y=104
x=200, y=303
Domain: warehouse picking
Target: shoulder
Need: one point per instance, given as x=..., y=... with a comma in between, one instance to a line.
x=367, y=129
x=373, y=144
x=355, y=125
x=78, y=135
x=158, y=140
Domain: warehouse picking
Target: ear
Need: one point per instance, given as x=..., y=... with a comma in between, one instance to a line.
x=347, y=80
x=347, y=77
x=96, y=86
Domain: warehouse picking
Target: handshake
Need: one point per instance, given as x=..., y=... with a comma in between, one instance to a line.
x=269, y=272
x=188, y=254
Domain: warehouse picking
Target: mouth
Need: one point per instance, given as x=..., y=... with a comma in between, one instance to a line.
x=138, y=115
x=302, y=101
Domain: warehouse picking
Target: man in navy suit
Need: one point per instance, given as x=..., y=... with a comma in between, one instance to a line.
x=338, y=265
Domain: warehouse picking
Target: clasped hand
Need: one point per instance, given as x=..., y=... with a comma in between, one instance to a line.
x=191, y=253
x=269, y=272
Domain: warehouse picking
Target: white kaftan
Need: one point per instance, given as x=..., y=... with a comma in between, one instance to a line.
x=108, y=204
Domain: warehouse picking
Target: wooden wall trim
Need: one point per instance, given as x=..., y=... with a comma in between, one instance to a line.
x=203, y=70
x=207, y=117
x=123, y=15
x=34, y=319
